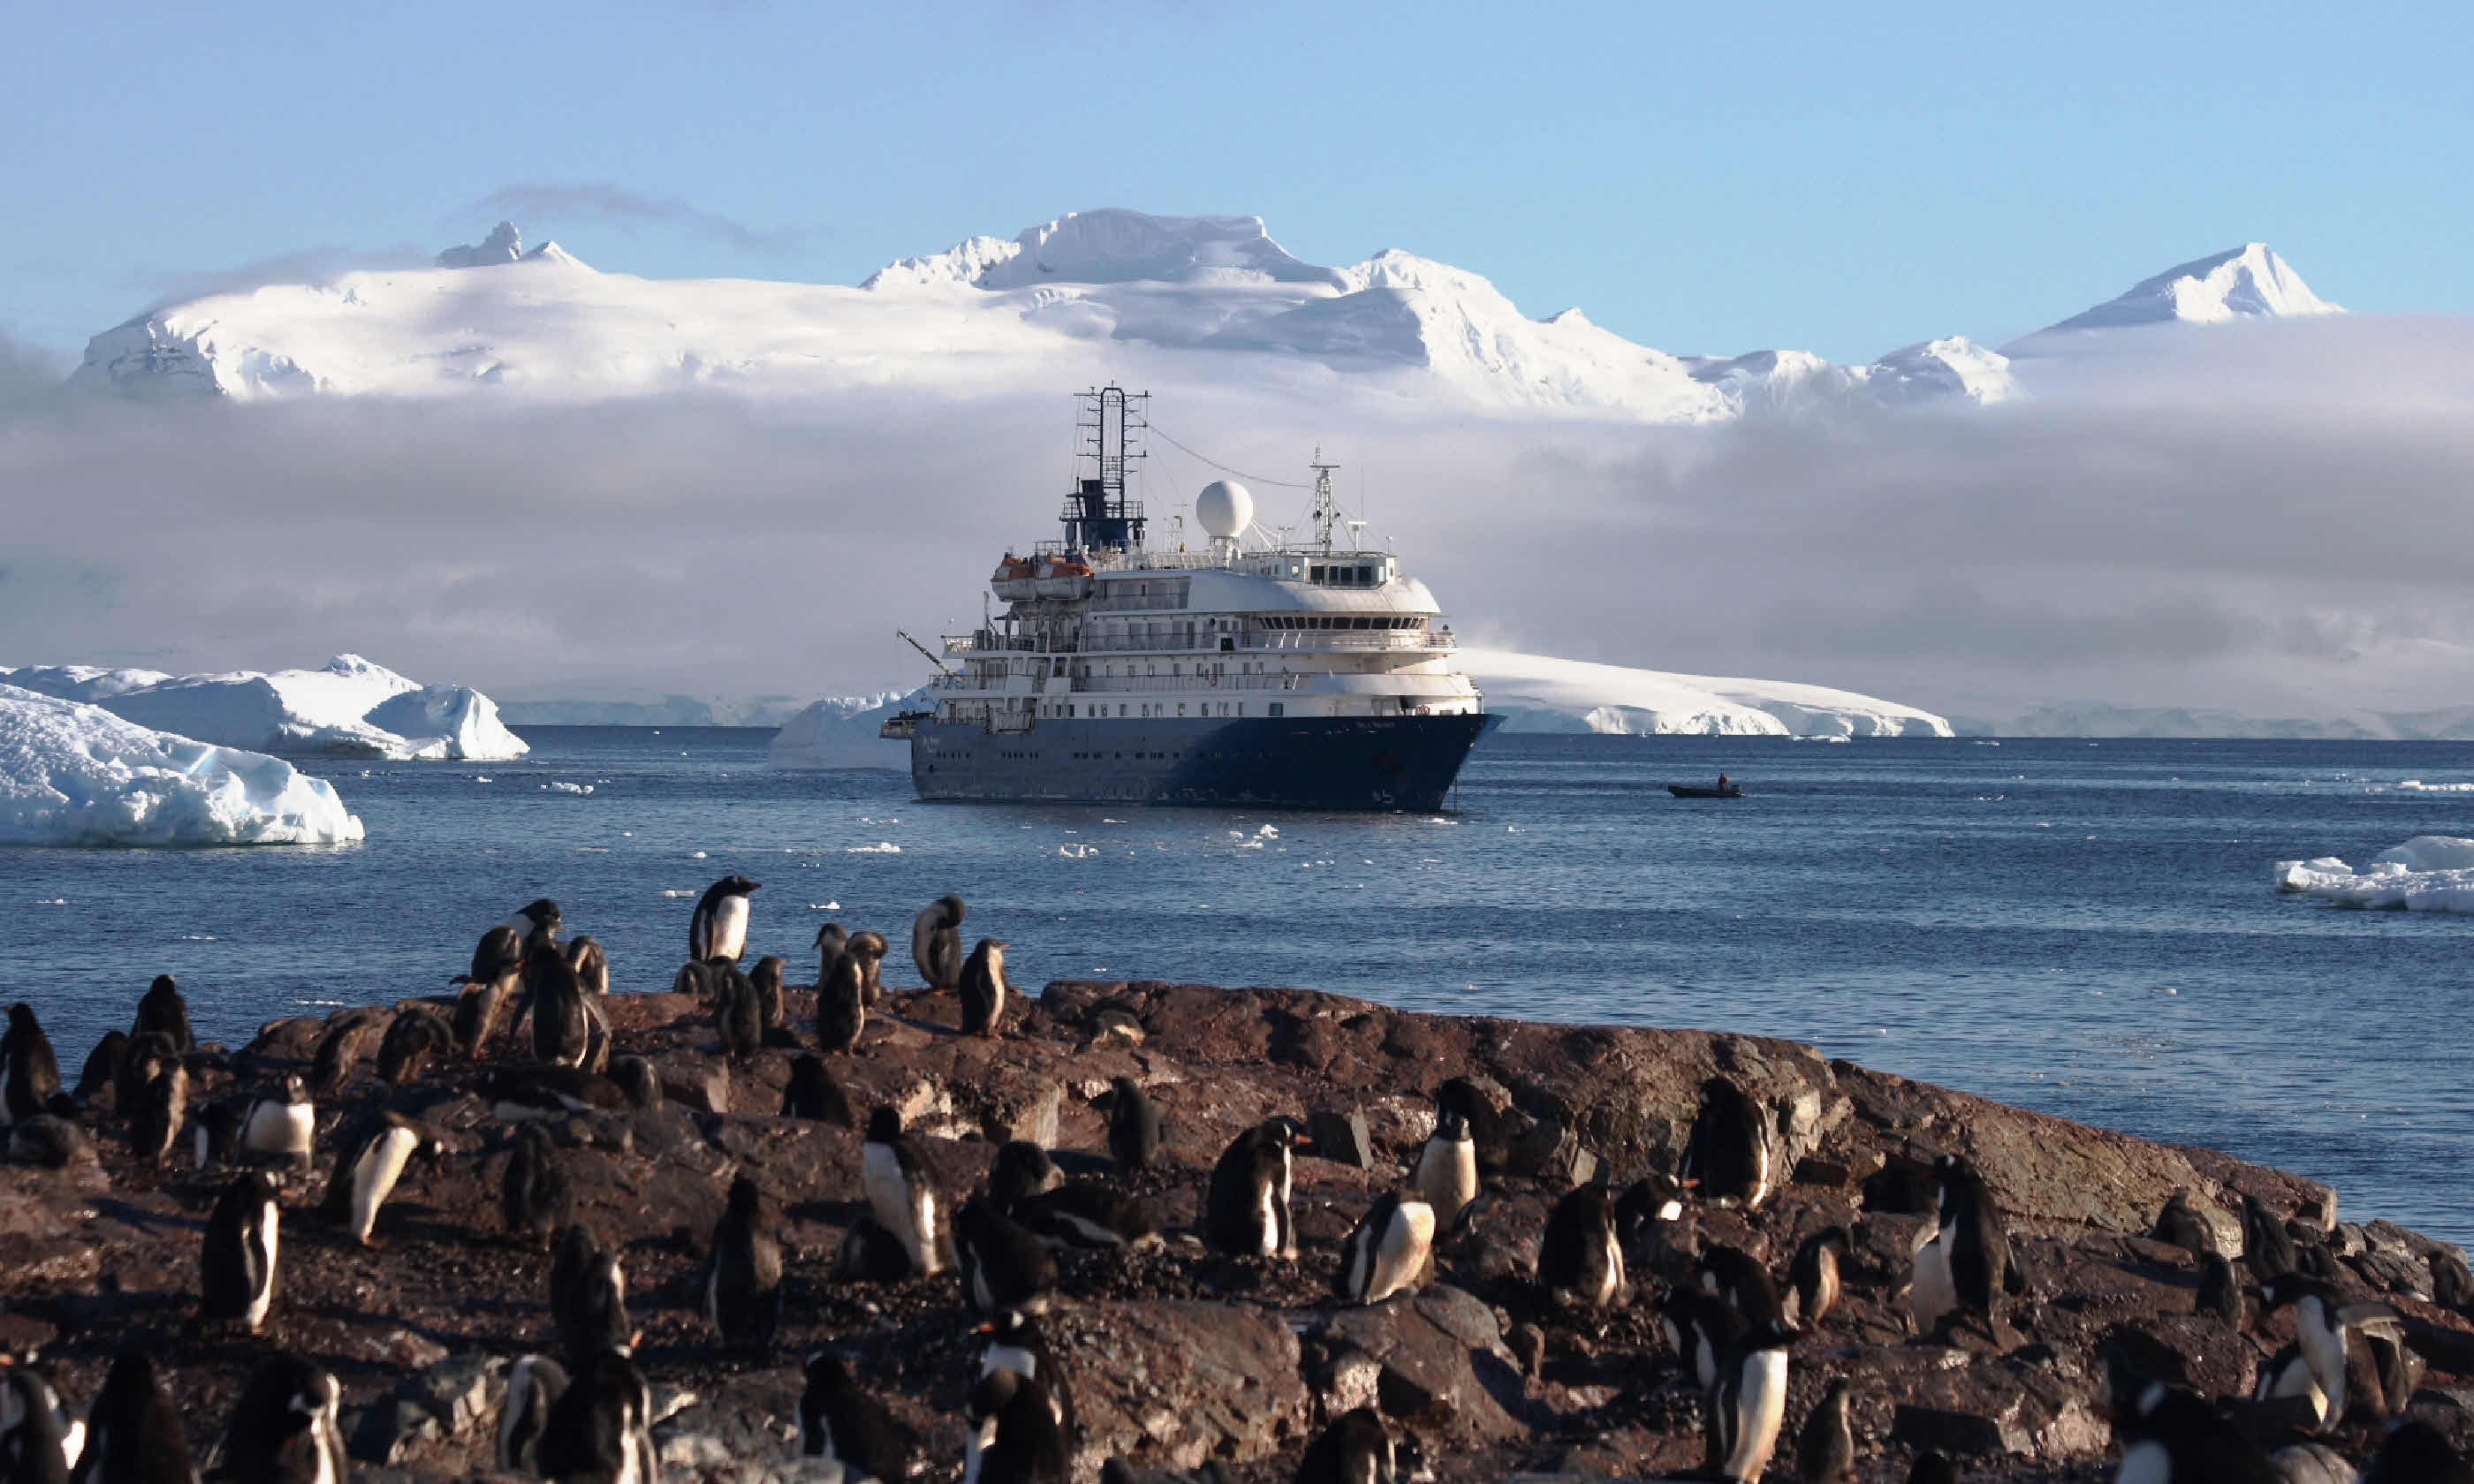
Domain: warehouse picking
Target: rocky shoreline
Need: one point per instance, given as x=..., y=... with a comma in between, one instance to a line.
x=1178, y=1356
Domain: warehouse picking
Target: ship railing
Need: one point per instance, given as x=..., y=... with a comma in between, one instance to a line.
x=1147, y=683
x=1294, y=641
x=984, y=642
x=1163, y=602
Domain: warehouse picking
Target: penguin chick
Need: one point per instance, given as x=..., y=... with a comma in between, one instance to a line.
x=340, y=1050
x=742, y=1290
x=158, y=1107
x=47, y=1142
x=1356, y=1449
x=2180, y=1224
x=842, y=1424
x=1387, y=1252
x=534, y=1385
x=842, y=1006
x=588, y=1298
x=164, y=1010
x=1580, y=1261
x=30, y=1074
x=2220, y=1293
x=636, y=1082
x=98, y=1083
x=869, y=949
x=414, y=1039
x=1815, y=1278
x=535, y=1197
x=134, y=1434
x=936, y=942
x=1088, y=1214
x=813, y=1093
x=832, y=941
x=1003, y=1267
x=1021, y=1170
x=2267, y=1249
x=591, y=965
x=1133, y=1127
x=562, y=1025
x=236, y=1268
x=984, y=988
x=735, y=1011
x=766, y=978
x=2451, y=1282
x=1825, y=1450
x=285, y=1428
x=600, y=1427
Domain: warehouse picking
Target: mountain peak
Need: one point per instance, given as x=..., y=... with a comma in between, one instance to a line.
x=503, y=245
x=2249, y=282
x=1112, y=245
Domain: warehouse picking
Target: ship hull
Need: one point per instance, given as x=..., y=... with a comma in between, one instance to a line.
x=1346, y=762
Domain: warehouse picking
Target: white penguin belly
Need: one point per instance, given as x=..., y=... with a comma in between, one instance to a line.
x=984, y=1437
x=1935, y=1291
x=374, y=1180
x=1401, y=1252
x=1760, y=1408
x=889, y=1195
x=2323, y=1346
x=1448, y=1176
x=269, y=1237
x=2145, y=1462
x=280, y=1127
x=730, y=927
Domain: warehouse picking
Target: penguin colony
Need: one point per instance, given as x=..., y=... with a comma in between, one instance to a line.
x=525, y=1032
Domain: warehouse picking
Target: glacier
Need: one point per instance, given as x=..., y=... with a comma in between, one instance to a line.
x=840, y=731
x=349, y=706
x=74, y=773
x=2426, y=874
x=1541, y=693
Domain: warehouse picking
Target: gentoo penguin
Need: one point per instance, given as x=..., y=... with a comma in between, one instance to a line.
x=936, y=942
x=736, y=1014
x=162, y=1009
x=2181, y=1225
x=535, y=1196
x=2220, y=1292
x=372, y=1161
x=161, y=1103
x=1660, y=1232
x=214, y=1130
x=519, y=1093
x=1489, y=1128
x=561, y=1027
x=766, y=978
x=1016, y=1343
x=1021, y=1170
x=984, y=988
x=718, y=929
x=35, y=1444
x=2267, y=1249
x=832, y=941
x=600, y=1427
x=869, y=1253
x=1580, y=1261
x=47, y=1140
x=1089, y=1215
x=1702, y=1329
x=1965, y=1266
x=1133, y=1127
x=2168, y=1434
x=2284, y=1376
x=1014, y=1435
x=841, y=1423
x=2320, y=1323
x=340, y=1050
x=1738, y=1277
x=282, y=1126
x=236, y=1269
x=2415, y=1452
x=842, y=1005
x=1814, y=1278
x=868, y=948
x=636, y=1082
x=1728, y=1157
x=1003, y=1267
x=101, y=1074
x=588, y=1298
x=284, y=1429
x=414, y=1039
x=534, y=1385
x=1825, y=1450
x=2451, y=1282
x=1750, y=1401
x=897, y=1188
x=813, y=1093
x=1447, y=1166
x=1387, y=1250
x=133, y=1433
x=1246, y=1212
x=1356, y=1449
x=591, y=965
x=30, y=1075
x=743, y=1288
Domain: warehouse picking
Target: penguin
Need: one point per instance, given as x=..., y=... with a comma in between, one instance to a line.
x=766, y=979
x=1447, y=1166
x=842, y=1005
x=158, y=1107
x=832, y=939
x=561, y=1027
x=1931, y=1466
x=534, y=1385
x=214, y=1130
x=1750, y=1401
x=2170, y=1434
x=2220, y=1293
x=2286, y=1376
x=146, y=1055
x=2320, y=1326
x=1246, y=1212
x=636, y=1082
x=869, y=949
x=1088, y=1214
x=101, y=1074
x=718, y=929
x=133, y=1433
x=1017, y=1344
x=2267, y=1249
x=588, y=1298
x=936, y=942
x=1660, y=1232
x=1702, y=1329
x=869, y=1253
x=480, y=1011
x=2180, y=1224
x=1021, y=1170
x=35, y=1445
x=1738, y=1277
x=897, y=1188
x=340, y=1050
x=1814, y=1280
x=1387, y=1252
x=162, y=1009
x=501, y=950
x=283, y=1127
x=1825, y=1450
x=534, y=1195
x=2311, y=1258
x=414, y=1039
x=841, y=1423
x=2451, y=1282
x=1488, y=1129
x=1003, y=1267
x=813, y=1093
x=695, y=979
x=47, y=1140
x=238, y=1267
x=1965, y=1266
x=1728, y=1156
x=372, y=1161
x=1356, y=1449
x=1133, y=1127
x=984, y=988
x=1014, y=1436
x=2415, y=1452
x=735, y=1011
x=1580, y=1262
x=600, y=1427
x=743, y=1288
x=518, y=1093
x=285, y=1428
x=30, y=1075
x=591, y=964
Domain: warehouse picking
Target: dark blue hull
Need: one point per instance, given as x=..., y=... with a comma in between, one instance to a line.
x=1388, y=762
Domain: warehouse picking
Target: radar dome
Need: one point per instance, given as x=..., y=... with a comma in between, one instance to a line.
x=1223, y=508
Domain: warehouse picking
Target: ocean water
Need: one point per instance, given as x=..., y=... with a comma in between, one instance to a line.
x=2083, y=928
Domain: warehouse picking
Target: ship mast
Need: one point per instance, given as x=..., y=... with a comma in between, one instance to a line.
x=1327, y=509
x=1108, y=431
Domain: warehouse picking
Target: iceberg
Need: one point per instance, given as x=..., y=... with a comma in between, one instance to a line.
x=2427, y=873
x=840, y=731
x=348, y=708
x=75, y=774
x=1541, y=693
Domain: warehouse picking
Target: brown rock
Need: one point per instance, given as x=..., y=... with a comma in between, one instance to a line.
x=1175, y=1384
x=1443, y=1366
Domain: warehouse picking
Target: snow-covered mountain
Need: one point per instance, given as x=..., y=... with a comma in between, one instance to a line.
x=2249, y=282
x=1214, y=294
x=1541, y=693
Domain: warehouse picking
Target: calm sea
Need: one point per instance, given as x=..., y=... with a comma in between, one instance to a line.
x=2082, y=928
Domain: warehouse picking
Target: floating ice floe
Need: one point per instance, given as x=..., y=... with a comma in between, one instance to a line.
x=556, y=786
x=1077, y=850
x=2418, y=787
x=2427, y=873
x=74, y=773
x=880, y=848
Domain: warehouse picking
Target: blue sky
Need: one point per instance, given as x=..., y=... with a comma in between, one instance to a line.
x=1844, y=179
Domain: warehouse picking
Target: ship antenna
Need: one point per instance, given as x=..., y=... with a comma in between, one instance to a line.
x=1108, y=432
x=1326, y=510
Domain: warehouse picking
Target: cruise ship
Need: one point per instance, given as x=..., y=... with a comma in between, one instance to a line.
x=1256, y=671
